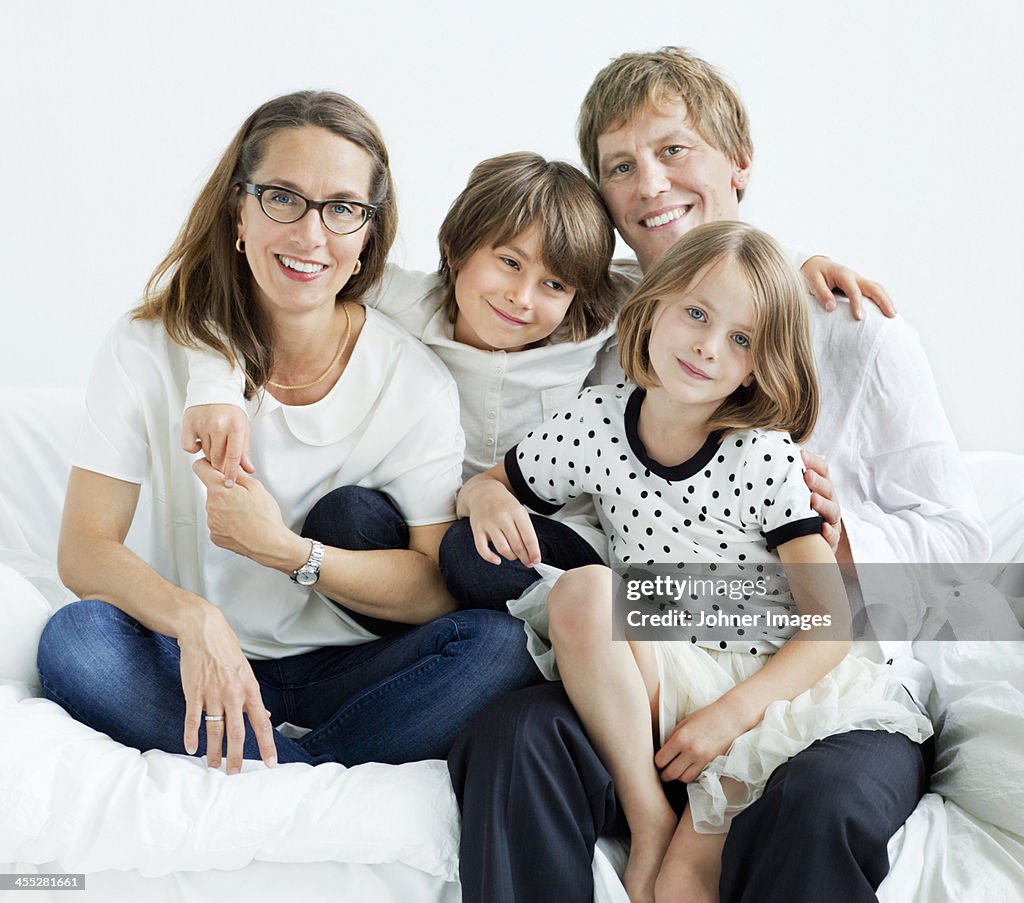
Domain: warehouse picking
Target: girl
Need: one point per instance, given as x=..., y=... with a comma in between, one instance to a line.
x=521, y=307
x=695, y=467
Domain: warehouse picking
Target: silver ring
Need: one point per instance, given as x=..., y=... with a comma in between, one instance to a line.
x=214, y=717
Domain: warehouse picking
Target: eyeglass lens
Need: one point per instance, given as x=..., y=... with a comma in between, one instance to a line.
x=285, y=206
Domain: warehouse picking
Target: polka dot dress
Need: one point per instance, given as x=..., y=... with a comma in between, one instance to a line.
x=729, y=506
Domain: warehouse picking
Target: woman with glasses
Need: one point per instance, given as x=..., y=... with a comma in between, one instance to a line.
x=235, y=623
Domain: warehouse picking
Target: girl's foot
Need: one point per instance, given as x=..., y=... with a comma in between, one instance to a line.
x=646, y=851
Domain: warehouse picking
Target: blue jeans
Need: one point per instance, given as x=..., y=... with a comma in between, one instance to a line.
x=396, y=699
x=361, y=520
x=475, y=583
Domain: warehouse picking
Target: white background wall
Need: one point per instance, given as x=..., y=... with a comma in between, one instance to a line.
x=888, y=134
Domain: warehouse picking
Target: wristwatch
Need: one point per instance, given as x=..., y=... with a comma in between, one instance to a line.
x=309, y=573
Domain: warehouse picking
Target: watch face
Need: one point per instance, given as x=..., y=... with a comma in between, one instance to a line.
x=306, y=577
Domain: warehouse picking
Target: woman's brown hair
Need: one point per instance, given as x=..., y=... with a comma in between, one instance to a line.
x=202, y=290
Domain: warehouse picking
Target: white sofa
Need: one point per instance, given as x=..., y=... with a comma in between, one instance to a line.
x=160, y=827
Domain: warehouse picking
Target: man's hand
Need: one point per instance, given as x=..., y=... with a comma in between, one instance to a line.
x=825, y=503
x=221, y=432
x=823, y=274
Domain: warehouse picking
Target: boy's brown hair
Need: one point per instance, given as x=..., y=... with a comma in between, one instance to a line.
x=506, y=196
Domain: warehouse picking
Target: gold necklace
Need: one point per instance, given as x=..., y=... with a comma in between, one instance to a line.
x=341, y=350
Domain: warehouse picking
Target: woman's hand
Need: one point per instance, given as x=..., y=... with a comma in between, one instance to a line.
x=221, y=431
x=700, y=738
x=823, y=274
x=498, y=519
x=217, y=679
x=246, y=519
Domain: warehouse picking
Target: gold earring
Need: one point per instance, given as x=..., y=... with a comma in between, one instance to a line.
x=359, y=267
x=239, y=246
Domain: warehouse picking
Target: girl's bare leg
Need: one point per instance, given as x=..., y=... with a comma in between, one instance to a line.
x=692, y=866
x=608, y=692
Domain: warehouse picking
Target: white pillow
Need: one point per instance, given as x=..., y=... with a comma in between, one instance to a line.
x=23, y=614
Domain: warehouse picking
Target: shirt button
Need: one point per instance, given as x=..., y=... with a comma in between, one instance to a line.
x=491, y=415
x=489, y=441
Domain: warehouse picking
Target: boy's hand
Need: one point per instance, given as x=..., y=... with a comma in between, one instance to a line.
x=824, y=274
x=221, y=432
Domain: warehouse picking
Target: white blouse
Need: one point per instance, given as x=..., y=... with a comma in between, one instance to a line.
x=390, y=423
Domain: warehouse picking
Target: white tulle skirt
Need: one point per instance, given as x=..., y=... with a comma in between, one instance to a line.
x=856, y=695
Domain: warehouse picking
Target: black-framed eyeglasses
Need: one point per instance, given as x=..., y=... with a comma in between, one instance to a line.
x=283, y=205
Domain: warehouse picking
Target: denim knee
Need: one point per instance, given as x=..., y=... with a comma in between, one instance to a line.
x=498, y=642
x=473, y=582
x=356, y=518
x=76, y=648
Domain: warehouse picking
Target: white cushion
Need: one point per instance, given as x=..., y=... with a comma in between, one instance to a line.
x=23, y=614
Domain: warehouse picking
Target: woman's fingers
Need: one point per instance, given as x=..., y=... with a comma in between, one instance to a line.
x=214, y=718
x=263, y=728
x=193, y=720
x=236, y=737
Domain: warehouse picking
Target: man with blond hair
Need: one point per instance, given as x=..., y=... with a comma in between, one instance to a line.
x=668, y=142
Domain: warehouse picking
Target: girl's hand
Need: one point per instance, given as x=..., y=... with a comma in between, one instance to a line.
x=497, y=519
x=699, y=739
x=246, y=519
x=217, y=679
x=823, y=274
x=221, y=431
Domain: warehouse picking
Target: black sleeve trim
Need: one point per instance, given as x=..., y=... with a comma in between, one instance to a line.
x=521, y=489
x=806, y=527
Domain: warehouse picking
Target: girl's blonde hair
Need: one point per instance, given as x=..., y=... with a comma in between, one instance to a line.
x=507, y=195
x=784, y=394
x=203, y=289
